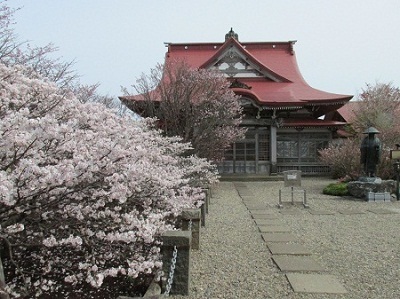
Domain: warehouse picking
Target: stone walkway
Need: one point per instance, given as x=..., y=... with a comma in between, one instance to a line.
x=303, y=272
x=338, y=248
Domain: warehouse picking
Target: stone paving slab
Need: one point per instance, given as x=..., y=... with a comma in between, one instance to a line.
x=265, y=216
x=291, y=212
x=268, y=222
x=238, y=188
x=279, y=237
x=261, y=212
x=250, y=199
x=273, y=228
x=244, y=193
x=253, y=204
x=288, y=248
x=382, y=211
x=315, y=283
x=321, y=212
x=351, y=212
x=239, y=184
x=241, y=187
x=252, y=208
x=297, y=263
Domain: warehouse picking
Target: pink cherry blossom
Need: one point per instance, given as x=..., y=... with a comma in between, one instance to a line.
x=85, y=193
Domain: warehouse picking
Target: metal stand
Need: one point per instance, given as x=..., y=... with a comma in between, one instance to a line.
x=397, y=169
x=292, y=178
x=395, y=156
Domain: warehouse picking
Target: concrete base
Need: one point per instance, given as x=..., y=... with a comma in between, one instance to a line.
x=363, y=186
x=378, y=197
x=315, y=283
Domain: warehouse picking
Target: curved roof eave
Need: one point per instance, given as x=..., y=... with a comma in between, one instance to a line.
x=311, y=123
x=289, y=99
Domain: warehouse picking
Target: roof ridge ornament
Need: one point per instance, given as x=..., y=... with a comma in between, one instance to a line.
x=231, y=34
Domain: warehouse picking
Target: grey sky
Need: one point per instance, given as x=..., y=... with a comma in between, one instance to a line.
x=341, y=45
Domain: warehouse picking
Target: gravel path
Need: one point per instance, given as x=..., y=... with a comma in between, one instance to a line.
x=361, y=250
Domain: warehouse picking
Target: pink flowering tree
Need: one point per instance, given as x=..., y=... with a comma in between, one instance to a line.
x=378, y=106
x=195, y=104
x=85, y=194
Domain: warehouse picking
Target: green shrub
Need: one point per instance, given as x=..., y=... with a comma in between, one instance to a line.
x=337, y=189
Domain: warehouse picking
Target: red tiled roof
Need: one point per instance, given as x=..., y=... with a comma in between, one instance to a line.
x=283, y=85
x=347, y=112
x=277, y=58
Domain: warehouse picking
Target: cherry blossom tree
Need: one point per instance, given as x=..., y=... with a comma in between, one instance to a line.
x=195, y=104
x=85, y=194
x=378, y=106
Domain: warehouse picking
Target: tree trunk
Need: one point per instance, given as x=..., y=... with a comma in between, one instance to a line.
x=3, y=293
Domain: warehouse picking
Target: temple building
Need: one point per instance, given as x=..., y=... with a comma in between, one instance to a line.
x=283, y=114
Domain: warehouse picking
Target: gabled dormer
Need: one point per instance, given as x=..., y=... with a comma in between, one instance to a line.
x=234, y=61
x=234, y=64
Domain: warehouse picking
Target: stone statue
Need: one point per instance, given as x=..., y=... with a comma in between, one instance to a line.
x=370, y=151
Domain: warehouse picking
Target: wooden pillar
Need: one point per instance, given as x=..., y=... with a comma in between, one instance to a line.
x=273, y=146
x=257, y=148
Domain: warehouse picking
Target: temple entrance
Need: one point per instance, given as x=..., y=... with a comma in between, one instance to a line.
x=249, y=155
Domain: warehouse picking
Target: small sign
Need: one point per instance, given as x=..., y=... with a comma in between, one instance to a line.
x=292, y=177
x=395, y=154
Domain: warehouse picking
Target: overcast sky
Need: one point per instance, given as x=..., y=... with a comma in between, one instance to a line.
x=341, y=44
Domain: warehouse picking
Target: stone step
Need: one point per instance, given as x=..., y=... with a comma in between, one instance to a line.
x=265, y=216
x=351, y=212
x=297, y=263
x=291, y=212
x=382, y=211
x=273, y=229
x=268, y=222
x=315, y=283
x=279, y=237
x=287, y=249
x=321, y=212
x=261, y=212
